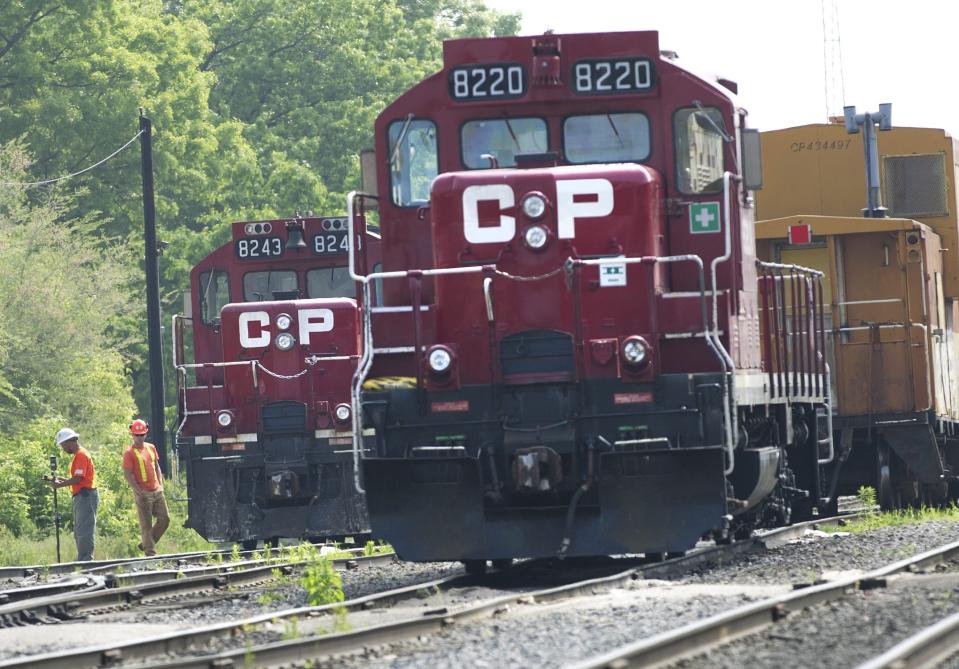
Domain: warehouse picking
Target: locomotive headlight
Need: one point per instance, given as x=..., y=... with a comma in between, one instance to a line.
x=283, y=321
x=635, y=351
x=439, y=359
x=534, y=206
x=536, y=237
x=284, y=341
x=342, y=412
x=225, y=418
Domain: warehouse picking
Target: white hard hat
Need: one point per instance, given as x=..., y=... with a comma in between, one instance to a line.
x=66, y=434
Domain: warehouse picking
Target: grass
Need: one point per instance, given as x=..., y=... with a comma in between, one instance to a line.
x=875, y=519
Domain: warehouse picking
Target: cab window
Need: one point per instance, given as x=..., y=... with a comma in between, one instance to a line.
x=700, y=136
x=606, y=138
x=270, y=285
x=413, y=161
x=214, y=295
x=500, y=140
x=330, y=282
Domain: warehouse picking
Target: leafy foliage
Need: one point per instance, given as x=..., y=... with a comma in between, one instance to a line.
x=259, y=108
x=323, y=584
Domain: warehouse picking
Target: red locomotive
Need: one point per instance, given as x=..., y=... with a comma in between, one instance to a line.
x=578, y=352
x=264, y=416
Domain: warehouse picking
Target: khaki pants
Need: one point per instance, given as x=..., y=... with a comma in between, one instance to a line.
x=150, y=505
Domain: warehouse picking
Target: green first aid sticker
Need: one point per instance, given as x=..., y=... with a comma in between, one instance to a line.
x=704, y=217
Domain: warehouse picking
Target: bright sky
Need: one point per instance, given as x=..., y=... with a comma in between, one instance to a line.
x=901, y=52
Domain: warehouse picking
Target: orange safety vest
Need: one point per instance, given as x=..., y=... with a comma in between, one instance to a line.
x=146, y=459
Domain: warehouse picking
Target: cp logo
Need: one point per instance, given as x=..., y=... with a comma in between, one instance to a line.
x=568, y=210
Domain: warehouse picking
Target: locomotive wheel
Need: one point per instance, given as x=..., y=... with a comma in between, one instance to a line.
x=934, y=494
x=886, y=495
x=274, y=542
x=475, y=567
x=675, y=554
x=502, y=564
x=248, y=544
x=655, y=557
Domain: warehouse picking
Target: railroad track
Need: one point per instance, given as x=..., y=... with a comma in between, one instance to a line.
x=127, y=590
x=693, y=639
x=928, y=647
x=15, y=573
x=421, y=622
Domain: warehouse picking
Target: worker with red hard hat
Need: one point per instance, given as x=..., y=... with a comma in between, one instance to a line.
x=141, y=468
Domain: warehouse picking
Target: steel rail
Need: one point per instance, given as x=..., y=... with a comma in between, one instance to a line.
x=695, y=638
x=928, y=647
x=172, y=642
x=70, y=605
x=72, y=585
x=301, y=650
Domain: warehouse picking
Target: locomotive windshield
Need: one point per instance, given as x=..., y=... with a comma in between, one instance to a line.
x=502, y=139
x=330, y=282
x=413, y=161
x=699, y=134
x=269, y=285
x=606, y=138
x=214, y=294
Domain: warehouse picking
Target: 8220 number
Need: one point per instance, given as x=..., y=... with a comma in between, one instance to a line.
x=627, y=75
x=487, y=81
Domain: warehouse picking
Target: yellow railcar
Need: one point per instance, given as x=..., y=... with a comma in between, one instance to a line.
x=890, y=306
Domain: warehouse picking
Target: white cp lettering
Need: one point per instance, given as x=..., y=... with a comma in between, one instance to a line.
x=568, y=210
x=314, y=320
x=472, y=196
x=247, y=317
x=308, y=321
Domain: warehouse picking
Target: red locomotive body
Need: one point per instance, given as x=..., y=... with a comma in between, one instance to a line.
x=568, y=256
x=264, y=416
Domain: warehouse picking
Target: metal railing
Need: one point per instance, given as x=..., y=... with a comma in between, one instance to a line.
x=710, y=335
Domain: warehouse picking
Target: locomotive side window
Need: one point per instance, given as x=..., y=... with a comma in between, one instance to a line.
x=502, y=139
x=606, y=138
x=214, y=295
x=413, y=161
x=270, y=285
x=330, y=282
x=699, y=135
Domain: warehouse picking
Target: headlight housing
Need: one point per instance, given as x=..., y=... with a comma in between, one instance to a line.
x=224, y=418
x=342, y=412
x=534, y=206
x=635, y=351
x=535, y=237
x=284, y=341
x=284, y=321
x=439, y=359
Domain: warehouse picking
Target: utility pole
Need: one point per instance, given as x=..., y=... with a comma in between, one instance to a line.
x=157, y=426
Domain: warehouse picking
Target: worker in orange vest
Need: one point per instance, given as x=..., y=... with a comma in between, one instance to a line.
x=141, y=468
x=83, y=487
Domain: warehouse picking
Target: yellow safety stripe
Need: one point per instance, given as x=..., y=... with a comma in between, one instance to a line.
x=389, y=382
x=143, y=466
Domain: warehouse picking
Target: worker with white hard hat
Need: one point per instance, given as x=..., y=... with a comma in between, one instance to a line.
x=82, y=482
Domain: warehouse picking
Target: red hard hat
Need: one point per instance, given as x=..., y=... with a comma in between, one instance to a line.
x=139, y=426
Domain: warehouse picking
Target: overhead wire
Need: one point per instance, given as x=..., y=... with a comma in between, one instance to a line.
x=33, y=184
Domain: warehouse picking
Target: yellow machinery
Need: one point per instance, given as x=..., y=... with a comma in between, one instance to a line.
x=891, y=288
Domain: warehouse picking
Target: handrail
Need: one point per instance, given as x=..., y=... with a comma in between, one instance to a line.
x=571, y=263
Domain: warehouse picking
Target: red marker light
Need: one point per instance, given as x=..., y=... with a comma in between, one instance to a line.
x=800, y=234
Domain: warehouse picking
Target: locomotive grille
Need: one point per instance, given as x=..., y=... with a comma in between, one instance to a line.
x=536, y=355
x=915, y=186
x=284, y=417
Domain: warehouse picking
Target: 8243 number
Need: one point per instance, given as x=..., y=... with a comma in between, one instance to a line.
x=329, y=243
x=259, y=247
